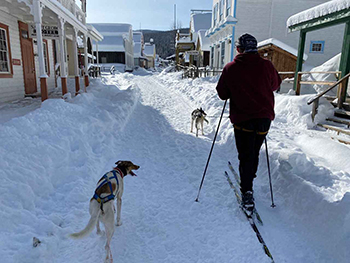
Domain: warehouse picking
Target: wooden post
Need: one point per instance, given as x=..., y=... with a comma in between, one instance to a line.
x=76, y=62
x=298, y=86
x=344, y=66
x=314, y=109
x=63, y=73
x=37, y=7
x=299, y=65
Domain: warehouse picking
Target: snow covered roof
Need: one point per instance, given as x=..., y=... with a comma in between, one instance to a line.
x=318, y=11
x=184, y=38
x=150, y=49
x=204, y=41
x=94, y=33
x=104, y=28
x=112, y=43
x=281, y=45
x=200, y=21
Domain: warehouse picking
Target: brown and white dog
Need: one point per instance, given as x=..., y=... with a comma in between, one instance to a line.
x=198, y=117
x=109, y=187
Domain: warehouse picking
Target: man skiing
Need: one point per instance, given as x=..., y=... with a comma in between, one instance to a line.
x=249, y=81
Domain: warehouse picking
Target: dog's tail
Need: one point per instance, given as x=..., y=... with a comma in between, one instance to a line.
x=95, y=213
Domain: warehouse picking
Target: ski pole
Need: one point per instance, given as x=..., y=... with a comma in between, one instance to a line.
x=211, y=150
x=268, y=168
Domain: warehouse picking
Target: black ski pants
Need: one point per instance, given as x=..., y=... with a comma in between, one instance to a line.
x=249, y=137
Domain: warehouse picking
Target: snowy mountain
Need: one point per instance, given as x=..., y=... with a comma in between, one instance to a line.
x=53, y=154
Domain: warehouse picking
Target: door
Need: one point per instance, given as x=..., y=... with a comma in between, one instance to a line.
x=27, y=59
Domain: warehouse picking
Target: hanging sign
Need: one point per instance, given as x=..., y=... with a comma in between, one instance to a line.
x=193, y=52
x=50, y=32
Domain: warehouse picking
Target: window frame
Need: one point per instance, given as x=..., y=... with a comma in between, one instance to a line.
x=221, y=10
x=215, y=15
x=46, y=57
x=222, y=53
x=8, y=74
x=228, y=7
x=322, y=42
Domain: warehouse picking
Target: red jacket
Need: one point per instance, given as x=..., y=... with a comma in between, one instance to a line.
x=249, y=81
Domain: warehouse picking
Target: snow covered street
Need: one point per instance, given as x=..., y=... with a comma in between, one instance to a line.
x=52, y=157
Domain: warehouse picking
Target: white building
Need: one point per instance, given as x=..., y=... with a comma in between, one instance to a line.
x=34, y=35
x=200, y=22
x=150, y=53
x=139, y=59
x=117, y=46
x=266, y=19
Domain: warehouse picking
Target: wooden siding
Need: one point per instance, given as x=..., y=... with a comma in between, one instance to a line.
x=12, y=88
x=281, y=59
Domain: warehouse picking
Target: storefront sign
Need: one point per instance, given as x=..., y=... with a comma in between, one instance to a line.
x=16, y=62
x=193, y=52
x=50, y=32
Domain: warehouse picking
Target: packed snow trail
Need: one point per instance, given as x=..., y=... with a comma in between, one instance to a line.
x=161, y=221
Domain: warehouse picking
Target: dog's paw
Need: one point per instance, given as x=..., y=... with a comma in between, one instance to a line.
x=119, y=223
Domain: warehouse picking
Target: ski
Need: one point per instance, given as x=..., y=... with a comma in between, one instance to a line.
x=249, y=218
x=238, y=180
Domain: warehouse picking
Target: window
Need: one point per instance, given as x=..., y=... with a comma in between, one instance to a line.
x=46, y=57
x=212, y=57
x=317, y=47
x=222, y=54
x=228, y=7
x=215, y=13
x=221, y=8
x=5, y=53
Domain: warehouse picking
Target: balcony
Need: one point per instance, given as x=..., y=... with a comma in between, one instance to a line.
x=78, y=12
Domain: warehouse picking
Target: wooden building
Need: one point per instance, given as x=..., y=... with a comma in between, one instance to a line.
x=282, y=56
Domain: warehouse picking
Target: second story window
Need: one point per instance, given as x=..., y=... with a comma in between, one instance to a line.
x=228, y=7
x=221, y=9
x=215, y=16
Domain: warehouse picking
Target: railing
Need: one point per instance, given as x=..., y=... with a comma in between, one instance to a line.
x=341, y=95
x=195, y=72
x=300, y=81
x=74, y=9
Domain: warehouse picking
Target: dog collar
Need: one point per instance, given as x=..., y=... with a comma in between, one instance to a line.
x=121, y=171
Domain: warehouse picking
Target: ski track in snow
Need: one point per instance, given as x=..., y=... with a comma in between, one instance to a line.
x=146, y=119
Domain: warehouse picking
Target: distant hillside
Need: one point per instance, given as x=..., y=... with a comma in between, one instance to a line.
x=164, y=40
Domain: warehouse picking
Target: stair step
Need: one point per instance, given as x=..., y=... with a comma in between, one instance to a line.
x=342, y=113
x=342, y=121
x=341, y=140
x=333, y=128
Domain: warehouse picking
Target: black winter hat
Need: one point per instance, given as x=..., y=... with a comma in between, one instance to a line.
x=248, y=43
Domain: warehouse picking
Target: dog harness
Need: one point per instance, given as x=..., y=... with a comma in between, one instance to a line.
x=247, y=130
x=107, y=180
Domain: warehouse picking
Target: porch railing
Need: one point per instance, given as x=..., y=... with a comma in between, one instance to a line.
x=340, y=93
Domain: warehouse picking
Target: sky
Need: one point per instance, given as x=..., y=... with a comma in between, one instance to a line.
x=147, y=14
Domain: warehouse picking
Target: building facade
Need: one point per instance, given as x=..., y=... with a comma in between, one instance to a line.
x=117, y=46
x=139, y=58
x=266, y=19
x=34, y=35
x=150, y=53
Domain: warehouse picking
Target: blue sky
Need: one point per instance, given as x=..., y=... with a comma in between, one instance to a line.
x=150, y=14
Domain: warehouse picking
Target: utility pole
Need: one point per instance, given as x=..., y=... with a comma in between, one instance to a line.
x=174, y=16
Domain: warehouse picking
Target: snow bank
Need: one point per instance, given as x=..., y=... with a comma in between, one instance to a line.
x=50, y=160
